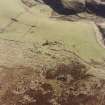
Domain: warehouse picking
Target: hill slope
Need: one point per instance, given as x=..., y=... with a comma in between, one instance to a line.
x=48, y=57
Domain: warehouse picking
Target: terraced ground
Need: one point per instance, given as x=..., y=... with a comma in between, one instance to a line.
x=41, y=53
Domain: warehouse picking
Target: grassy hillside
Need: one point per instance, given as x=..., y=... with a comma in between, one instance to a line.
x=21, y=23
x=43, y=60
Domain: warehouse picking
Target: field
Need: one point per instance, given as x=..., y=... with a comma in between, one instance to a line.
x=35, y=25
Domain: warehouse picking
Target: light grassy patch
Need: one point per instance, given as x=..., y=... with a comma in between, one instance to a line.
x=77, y=36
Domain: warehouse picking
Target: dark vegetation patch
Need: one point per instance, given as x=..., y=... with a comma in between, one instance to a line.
x=78, y=100
x=41, y=96
x=77, y=86
x=62, y=72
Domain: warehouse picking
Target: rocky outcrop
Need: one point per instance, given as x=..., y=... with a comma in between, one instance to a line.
x=29, y=3
x=70, y=7
x=66, y=7
x=96, y=6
